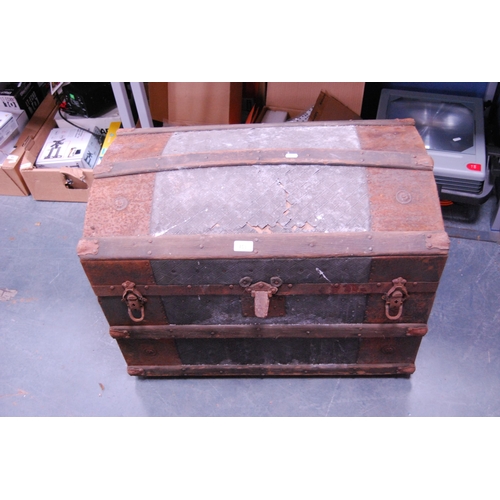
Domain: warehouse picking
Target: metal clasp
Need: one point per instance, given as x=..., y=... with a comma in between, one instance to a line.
x=134, y=301
x=261, y=293
x=395, y=298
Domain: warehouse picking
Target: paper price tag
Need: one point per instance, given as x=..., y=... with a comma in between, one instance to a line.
x=243, y=246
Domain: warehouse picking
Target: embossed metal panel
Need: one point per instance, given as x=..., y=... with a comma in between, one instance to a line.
x=278, y=198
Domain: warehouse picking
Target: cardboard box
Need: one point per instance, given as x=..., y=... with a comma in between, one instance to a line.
x=101, y=122
x=297, y=98
x=17, y=97
x=26, y=149
x=8, y=126
x=158, y=101
x=69, y=147
x=336, y=101
x=196, y=103
x=10, y=188
x=9, y=143
x=328, y=108
x=68, y=184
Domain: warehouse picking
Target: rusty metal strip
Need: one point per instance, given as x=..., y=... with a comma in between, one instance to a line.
x=269, y=331
x=289, y=245
x=285, y=290
x=301, y=156
x=277, y=370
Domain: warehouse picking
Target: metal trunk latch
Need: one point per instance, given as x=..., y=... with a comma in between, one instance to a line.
x=261, y=293
x=134, y=301
x=395, y=298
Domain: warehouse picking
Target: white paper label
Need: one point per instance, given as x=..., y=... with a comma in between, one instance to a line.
x=243, y=246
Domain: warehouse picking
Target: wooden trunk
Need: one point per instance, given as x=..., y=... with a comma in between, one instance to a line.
x=300, y=249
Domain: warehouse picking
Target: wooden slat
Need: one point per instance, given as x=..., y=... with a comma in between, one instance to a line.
x=405, y=122
x=142, y=150
x=303, y=245
x=269, y=331
x=299, y=156
x=328, y=370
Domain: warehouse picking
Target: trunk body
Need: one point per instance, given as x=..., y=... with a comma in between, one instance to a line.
x=298, y=249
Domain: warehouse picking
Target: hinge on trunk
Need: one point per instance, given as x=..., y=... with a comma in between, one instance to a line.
x=134, y=301
x=261, y=293
x=395, y=298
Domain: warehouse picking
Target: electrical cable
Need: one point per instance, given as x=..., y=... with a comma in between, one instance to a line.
x=62, y=105
x=98, y=136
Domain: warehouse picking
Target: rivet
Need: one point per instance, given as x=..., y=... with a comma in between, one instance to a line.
x=290, y=285
x=189, y=286
x=370, y=249
x=429, y=236
x=112, y=287
x=146, y=287
x=201, y=246
x=149, y=252
x=231, y=286
x=370, y=236
x=379, y=284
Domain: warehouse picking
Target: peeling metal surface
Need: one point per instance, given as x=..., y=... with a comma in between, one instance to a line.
x=87, y=247
x=264, y=198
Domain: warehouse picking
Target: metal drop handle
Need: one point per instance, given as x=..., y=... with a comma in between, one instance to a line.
x=395, y=298
x=134, y=301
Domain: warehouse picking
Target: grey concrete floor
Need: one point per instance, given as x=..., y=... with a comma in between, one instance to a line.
x=57, y=358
